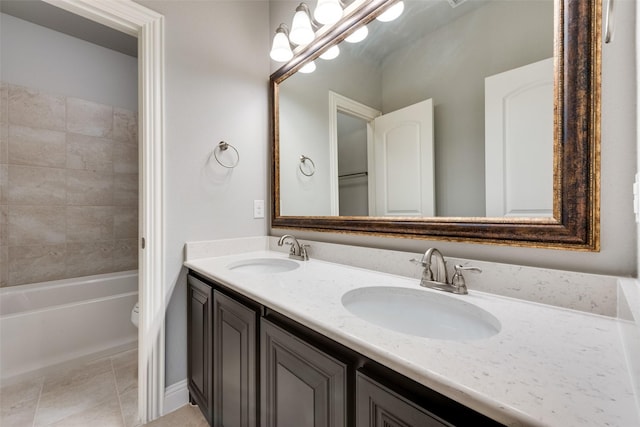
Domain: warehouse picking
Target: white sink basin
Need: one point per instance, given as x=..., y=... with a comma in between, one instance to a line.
x=421, y=313
x=264, y=265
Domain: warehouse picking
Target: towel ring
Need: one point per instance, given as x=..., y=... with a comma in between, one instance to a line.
x=223, y=146
x=303, y=160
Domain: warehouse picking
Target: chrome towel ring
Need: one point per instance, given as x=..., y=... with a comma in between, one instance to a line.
x=303, y=161
x=224, y=146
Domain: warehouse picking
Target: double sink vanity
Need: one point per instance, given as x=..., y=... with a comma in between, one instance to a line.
x=275, y=341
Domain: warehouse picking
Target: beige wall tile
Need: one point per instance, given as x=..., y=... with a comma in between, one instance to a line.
x=4, y=223
x=89, y=188
x=125, y=158
x=125, y=222
x=89, y=153
x=88, y=223
x=89, y=118
x=4, y=268
x=125, y=255
x=36, y=225
x=36, y=263
x=4, y=102
x=37, y=147
x=29, y=107
x=30, y=185
x=125, y=189
x=125, y=126
x=4, y=184
x=87, y=258
x=4, y=143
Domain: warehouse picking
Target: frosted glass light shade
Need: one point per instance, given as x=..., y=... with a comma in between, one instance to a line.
x=328, y=11
x=301, y=30
x=358, y=35
x=331, y=53
x=308, y=68
x=392, y=13
x=280, y=50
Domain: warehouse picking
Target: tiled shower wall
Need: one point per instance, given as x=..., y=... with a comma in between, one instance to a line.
x=68, y=187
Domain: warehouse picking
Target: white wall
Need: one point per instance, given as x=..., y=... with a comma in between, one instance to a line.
x=618, y=237
x=217, y=73
x=37, y=57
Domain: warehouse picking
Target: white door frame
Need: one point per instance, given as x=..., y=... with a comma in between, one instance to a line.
x=339, y=103
x=148, y=26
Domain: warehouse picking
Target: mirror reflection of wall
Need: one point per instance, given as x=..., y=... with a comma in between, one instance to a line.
x=447, y=59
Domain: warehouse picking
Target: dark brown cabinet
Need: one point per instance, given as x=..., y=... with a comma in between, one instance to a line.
x=378, y=406
x=234, y=363
x=301, y=385
x=199, y=345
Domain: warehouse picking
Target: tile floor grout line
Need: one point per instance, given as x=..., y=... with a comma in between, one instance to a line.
x=35, y=413
x=115, y=380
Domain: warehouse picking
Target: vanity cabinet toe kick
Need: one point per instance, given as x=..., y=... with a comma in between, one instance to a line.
x=250, y=366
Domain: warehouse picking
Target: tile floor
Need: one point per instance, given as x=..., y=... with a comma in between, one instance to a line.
x=101, y=393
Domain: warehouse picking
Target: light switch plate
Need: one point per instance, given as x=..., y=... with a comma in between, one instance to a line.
x=258, y=208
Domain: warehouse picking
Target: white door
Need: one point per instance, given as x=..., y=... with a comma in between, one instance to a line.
x=519, y=141
x=401, y=164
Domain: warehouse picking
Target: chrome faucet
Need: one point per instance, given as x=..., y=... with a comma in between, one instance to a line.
x=297, y=250
x=438, y=279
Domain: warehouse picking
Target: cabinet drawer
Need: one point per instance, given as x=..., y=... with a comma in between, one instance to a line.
x=378, y=406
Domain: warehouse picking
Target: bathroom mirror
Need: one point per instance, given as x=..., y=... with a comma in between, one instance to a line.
x=464, y=183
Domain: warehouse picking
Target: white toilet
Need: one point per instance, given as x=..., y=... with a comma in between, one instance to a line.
x=135, y=314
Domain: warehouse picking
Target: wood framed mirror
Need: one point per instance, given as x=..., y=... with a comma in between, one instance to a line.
x=570, y=219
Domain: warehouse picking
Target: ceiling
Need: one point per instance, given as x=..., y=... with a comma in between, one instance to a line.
x=54, y=18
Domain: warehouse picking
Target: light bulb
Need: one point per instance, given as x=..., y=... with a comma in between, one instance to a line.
x=331, y=53
x=328, y=11
x=281, y=50
x=301, y=30
x=358, y=35
x=308, y=68
x=392, y=13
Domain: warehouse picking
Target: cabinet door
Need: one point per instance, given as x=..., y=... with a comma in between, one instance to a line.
x=301, y=386
x=377, y=406
x=234, y=363
x=199, y=341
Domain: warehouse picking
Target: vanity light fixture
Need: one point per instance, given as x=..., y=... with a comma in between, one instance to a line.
x=302, y=28
x=328, y=11
x=281, y=49
x=392, y=13
x=358, y=35
x=331, y=53
x=309, y=67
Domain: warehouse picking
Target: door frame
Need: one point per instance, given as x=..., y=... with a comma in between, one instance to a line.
x=341, y=104
x=148, y=26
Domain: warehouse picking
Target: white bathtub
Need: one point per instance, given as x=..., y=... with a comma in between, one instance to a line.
x=45, y=325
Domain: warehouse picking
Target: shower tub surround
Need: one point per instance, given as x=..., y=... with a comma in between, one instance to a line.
x=548, y=365
x=68, y=187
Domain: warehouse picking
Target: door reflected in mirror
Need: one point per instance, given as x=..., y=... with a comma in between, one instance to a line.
x=490, y=125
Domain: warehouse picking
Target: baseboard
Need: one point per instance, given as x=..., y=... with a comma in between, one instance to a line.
x=175, y=396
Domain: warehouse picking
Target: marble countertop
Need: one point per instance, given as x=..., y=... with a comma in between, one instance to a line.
x=547, y=366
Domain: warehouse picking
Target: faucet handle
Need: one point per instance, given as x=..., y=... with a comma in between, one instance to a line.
x=303, y=252
x=420, y=262
x=458, y=282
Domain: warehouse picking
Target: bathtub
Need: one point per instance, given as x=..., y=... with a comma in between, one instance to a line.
x=46, y=325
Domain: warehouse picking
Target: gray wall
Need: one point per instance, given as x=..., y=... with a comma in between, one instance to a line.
x=36, y=57
x=449, y=65
x=217, y=70
x=618, y=236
